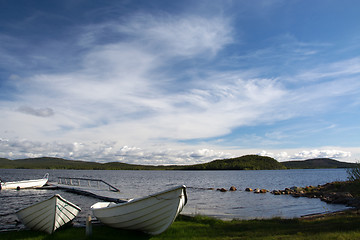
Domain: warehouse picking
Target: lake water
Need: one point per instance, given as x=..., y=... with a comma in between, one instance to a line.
x=227, y=205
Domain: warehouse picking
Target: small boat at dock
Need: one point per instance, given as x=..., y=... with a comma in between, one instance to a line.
x=34, y=183
x=152, y=214
x=48, y=215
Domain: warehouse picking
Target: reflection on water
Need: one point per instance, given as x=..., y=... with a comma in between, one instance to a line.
x=201, y=200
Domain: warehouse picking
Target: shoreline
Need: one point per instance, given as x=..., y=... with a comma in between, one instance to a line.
x=330, y=214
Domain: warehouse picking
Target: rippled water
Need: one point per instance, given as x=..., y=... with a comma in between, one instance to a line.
x=228, y=205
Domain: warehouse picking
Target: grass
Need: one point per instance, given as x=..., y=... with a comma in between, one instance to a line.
x=346, y=226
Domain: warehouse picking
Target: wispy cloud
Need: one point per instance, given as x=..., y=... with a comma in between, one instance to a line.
x=163, y=35
x=339, y=69
x=118, y=88
x=179, y=36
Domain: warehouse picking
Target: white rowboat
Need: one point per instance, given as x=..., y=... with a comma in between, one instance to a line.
x=48, y=215
x=35, y=183
x=152, y=214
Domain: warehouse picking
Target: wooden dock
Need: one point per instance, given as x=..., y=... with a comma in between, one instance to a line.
x=96, y=188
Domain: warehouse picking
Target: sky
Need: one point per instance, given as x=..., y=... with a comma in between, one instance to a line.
x=179, y=82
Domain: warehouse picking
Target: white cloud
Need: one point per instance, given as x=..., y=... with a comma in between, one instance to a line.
x=162, y=35
x=106, y=152
x=325, y=153
x=179, y=36
x=339, y=69
x=281, y=156
x=308, y=154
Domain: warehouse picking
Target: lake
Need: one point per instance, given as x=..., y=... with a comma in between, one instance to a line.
x=225, y=205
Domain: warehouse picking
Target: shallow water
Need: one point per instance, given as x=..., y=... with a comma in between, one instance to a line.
x=228, y=205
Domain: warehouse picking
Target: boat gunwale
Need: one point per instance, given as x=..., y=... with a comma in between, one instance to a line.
x=55, y=196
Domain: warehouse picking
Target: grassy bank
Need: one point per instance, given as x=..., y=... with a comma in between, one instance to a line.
x=341, y=226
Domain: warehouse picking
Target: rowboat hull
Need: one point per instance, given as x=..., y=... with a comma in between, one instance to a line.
x=152, y=214
x=48, y=215
x=34, y=183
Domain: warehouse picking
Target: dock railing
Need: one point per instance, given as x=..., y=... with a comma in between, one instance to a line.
x=86, y=182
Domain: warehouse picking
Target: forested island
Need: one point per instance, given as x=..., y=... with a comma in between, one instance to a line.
x=247, y=162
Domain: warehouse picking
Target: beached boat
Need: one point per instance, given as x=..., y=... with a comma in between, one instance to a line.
x=152, y=214
x=48, y=215
x=34, y=183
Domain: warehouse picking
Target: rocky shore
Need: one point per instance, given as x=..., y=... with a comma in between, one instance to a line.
x=335, y=193
x=347, y=193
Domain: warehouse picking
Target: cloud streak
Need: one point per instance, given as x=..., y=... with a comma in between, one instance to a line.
x=185, y=36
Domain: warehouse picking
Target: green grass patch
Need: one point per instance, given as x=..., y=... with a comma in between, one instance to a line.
x=345, y=226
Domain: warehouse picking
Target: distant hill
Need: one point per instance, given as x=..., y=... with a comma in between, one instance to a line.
x=59, y=163
x=5, y=163
x=247, y=162
x=317, y=163
x=46, y=163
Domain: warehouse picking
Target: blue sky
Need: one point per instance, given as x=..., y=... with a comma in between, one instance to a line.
x=179, y=82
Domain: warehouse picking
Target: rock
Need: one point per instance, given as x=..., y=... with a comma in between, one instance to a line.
x=331, y=193
x=221, y=189
x=354, y=202
x=296, y=195
x=295, y=189
x=248, y=190
x=337, y=197
x=232, y=188
x=346, y=195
